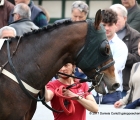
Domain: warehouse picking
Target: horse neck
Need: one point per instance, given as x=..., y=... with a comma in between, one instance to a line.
x=41, y=55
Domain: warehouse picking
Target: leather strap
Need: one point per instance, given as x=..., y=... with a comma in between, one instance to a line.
x=28, y=87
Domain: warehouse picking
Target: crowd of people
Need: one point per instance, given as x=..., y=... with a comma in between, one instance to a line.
x=122, y=25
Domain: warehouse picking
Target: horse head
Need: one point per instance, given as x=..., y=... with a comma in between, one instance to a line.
x=95, y=58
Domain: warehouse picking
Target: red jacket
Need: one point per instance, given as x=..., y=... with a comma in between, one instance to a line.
x=5, y=12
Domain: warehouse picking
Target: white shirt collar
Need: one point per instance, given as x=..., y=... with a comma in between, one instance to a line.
x=113, y=39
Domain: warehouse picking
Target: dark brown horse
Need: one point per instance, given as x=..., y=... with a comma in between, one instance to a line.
x=40, y=55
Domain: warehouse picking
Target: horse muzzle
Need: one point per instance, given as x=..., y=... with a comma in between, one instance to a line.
x=114, y=87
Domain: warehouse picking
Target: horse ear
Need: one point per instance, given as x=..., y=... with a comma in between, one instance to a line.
x=98, y=19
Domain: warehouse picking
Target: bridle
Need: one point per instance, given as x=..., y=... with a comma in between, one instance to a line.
x=98, y=72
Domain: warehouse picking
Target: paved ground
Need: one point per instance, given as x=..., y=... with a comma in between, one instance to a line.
x=106, y=112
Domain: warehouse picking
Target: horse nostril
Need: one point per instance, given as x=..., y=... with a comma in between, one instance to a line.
x=115, y=86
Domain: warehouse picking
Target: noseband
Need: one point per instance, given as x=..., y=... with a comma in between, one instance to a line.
x=99, y=75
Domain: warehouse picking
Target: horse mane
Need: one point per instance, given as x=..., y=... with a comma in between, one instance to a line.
x=50, y=27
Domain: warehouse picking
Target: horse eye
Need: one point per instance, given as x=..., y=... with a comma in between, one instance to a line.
x=105, y=48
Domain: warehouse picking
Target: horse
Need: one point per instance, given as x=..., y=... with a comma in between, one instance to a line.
x=37, y=56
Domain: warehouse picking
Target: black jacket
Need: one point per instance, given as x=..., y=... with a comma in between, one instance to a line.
x=131, y=39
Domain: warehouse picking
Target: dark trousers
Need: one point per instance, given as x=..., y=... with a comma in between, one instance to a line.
x=109, y=98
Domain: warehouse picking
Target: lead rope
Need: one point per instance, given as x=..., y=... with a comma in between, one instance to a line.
x=66, y=102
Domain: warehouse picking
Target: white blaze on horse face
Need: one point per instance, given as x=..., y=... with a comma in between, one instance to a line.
x=77, y=15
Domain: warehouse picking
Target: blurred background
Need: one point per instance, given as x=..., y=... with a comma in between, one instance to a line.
x=59, y=9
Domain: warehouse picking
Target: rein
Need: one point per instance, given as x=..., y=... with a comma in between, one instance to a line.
x=69, y=102
x=17, y=77
x=2, y=67
x=71, y=108
x=64, y=101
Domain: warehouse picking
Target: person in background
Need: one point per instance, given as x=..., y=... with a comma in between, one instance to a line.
x=119, y=51
x=5, y=8
x=22, y=22
x=131, y=38
x=7, y=32
x=45, y=12
x=81, y=99
x=79, y=12
x=132, y=98
x=37, y=15
x=133, y=17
